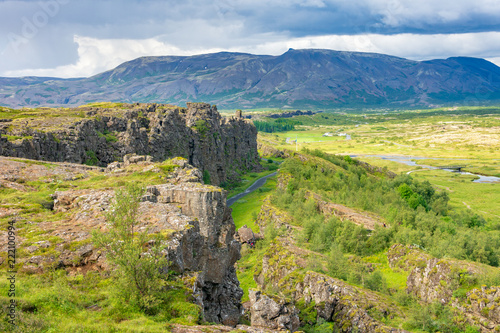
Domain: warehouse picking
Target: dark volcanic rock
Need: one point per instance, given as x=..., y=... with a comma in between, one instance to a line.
x=272, y=313
x=219, y=147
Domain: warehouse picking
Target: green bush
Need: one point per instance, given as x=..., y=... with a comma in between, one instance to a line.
x=206, y=177
x=91, y=158
x=140, y=270
x=376, y=281
x=414, y=211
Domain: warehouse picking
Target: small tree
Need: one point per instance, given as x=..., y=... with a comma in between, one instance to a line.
x=140, y=266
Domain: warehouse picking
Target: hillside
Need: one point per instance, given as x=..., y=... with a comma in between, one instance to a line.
x=352, y=248
x=142, y=243
x=297, y=78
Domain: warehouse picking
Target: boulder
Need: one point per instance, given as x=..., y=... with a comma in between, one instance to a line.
x=272, y=313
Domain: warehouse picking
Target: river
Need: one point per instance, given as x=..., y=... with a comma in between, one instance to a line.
x=408, y=160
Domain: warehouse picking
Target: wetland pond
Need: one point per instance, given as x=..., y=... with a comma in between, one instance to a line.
x=409, y=160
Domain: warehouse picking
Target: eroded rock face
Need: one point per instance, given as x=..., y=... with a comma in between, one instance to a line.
x=432, y=282
x=344, y=304
x=430, y=279
x=334, y=300
x=272, y=313
x=433, y=279
x=194, y=218
x=482, y=308
x=218, y=146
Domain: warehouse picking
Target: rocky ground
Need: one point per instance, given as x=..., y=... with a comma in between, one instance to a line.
x=58, y=235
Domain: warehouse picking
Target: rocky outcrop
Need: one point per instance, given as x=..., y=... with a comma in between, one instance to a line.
x=344, y=304
x=446, y=281
x=432, y=282
x=245, y=235
x=430, y=279
x=365, y=219
x=271, y=215
x=375, y=170
x=482, y=308
x=332, y=299
x=266, y=148
x=273, y=313
x=219, y=147
x=175, y=328
x=193, y=217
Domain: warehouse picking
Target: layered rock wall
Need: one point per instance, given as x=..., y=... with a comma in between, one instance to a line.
x=193, y=217
x=219, y=147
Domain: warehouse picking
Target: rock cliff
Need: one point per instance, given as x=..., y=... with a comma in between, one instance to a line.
x=219, y=147
x=350, y=308
x=194, y=218
x=450, y=282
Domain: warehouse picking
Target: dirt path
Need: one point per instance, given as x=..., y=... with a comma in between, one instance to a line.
x=258, y=183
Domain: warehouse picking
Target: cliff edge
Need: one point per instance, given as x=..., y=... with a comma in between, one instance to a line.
x=98, y=135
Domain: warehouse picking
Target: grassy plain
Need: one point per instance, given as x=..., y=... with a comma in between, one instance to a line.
x=443, y=137
x=246, y=209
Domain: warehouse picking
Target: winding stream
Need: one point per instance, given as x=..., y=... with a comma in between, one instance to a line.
x=408, y=160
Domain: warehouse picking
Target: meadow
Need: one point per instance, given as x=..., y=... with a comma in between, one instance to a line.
x=443, y=137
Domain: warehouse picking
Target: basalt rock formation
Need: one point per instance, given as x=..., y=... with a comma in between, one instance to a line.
x=220, y=147
x=194, y=218
x=446, y=281
x=350, y=308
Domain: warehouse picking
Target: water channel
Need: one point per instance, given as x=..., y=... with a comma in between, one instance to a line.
x=409, y=160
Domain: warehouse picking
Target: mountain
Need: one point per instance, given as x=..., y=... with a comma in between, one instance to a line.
x=298, y=78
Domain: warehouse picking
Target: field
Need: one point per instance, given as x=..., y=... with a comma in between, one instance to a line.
x=428, y=138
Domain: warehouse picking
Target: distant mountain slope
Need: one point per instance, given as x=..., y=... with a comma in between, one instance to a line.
x=297, y=78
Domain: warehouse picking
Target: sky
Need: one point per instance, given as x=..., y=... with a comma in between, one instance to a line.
x=80, y=38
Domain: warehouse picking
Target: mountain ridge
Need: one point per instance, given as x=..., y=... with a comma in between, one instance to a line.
x=297, y=78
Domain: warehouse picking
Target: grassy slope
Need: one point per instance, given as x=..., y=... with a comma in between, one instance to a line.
x=57, y=302
x=451, y=136
x=414, y=137
x=246, y=209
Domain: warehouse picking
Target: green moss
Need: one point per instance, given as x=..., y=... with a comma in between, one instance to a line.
x=110, y=137
x=308, y=313
x=201, y=126
x=16, y=137
x=206, y=177
x=167, y=168
x=91, y=158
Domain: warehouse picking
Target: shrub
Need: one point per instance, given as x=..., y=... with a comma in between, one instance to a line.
x=206, y=177
x=140, y=270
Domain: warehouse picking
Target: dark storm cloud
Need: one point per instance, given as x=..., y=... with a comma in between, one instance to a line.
x=54, y=33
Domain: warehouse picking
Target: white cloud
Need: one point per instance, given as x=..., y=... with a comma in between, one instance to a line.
x=429, y=12
x=98, y=55
x=411, y=46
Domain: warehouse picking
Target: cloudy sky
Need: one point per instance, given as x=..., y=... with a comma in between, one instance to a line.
x=75, y=38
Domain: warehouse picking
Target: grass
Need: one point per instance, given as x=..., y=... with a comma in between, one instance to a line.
x=245, y=209
x=57, y=302
x=469, y=136
x=246, y=268
x=249, y=178
x=396, y=280
x=482, y=198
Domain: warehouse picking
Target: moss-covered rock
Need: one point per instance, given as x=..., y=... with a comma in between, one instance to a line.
x=103, y=134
